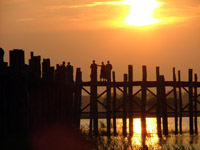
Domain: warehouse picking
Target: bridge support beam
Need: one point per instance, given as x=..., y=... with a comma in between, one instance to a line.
x=195, y=106
x=180, y=103
x=164, y=106
x=191, y=102
x=158, y=113
x=143, y=102
x=175, y=103
x=114, y=106
x=108, y=107
x=130, y=95
x=124, y=106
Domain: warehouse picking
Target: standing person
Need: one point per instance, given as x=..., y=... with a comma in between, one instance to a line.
x=69, y=73
x=103, y=72
x=108, y=70
x=93, y=71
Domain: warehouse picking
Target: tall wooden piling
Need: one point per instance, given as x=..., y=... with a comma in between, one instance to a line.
x=114, y=106
x=91, y=115
x=93, y=101
x=78, y=96
x=195, y=105
x=191, y=102
x=124, y=106
x=158, y=113
x=95, y=110
x=130, y=97
x=143, y=101
x=164, y=106
x=180, y=103
x=175, y=103
x=108, y=106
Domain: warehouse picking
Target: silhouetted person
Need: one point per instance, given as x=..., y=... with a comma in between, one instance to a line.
x=63, y=63
x=1, y=56
x=3, y=65
x=69, y=73
x=93, y=71
x=108, y=70
x=103, y=75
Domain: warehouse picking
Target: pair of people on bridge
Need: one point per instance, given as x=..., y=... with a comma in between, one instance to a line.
x=105, y=74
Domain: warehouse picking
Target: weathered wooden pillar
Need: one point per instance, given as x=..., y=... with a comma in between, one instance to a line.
x=93, y=101
x=130, y=97
x=180, y=103
x=191, y=102
x=108, y=106
x=164, y=106
x=195, y=105
x=78, y=96
x=158, y=113
x=114, y=105
x=95, y=110
x=175, y=103
x=124, y=106
x=143, y=101
x=91, y=116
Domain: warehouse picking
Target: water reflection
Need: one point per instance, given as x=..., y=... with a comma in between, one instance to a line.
x=152, y=141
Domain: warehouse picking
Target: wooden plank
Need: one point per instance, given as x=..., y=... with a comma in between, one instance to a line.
x=148, y=84
x=158, y=113
x=143, y=102
x=124, y=106
x=130, y=96
x=190, y=101
x=114, y=107
x=175, y=104
x=195, y=106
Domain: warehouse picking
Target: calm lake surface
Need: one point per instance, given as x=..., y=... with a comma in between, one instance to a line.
x=152, y=140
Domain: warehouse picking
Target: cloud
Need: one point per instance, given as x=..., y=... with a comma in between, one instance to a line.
x=98, y=3
x=93, y=4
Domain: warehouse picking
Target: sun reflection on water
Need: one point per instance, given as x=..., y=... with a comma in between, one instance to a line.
x=152, y=137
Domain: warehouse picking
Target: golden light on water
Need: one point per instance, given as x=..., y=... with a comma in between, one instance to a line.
x=142, y=12
x=151, y=126
x=152, y=138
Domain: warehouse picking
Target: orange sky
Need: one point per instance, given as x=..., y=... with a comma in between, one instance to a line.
x=80, y=31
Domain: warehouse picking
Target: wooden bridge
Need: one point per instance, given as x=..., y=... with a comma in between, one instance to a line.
x=161, y=109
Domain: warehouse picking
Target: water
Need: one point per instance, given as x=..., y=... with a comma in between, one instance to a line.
x=152, y=141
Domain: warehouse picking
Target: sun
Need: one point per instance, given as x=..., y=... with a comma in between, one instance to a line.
x=142, y=12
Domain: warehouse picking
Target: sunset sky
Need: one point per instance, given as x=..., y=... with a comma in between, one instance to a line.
x=82, y=30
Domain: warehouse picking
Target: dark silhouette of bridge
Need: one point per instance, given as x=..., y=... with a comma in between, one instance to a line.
x=36, y=95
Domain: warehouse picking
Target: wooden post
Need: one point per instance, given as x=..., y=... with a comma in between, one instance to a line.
x=175, y=103
x=143, y=101
x=114, y=106
x=191, y=102
x=130, y=95
x=95, y=106
x=91, y=115
x=158, y=113
x=124, y=105
x=77, y=102
x=93, y=101
x=108, y=106
x=195, y=105
x=180, y=103
x=164, y=106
